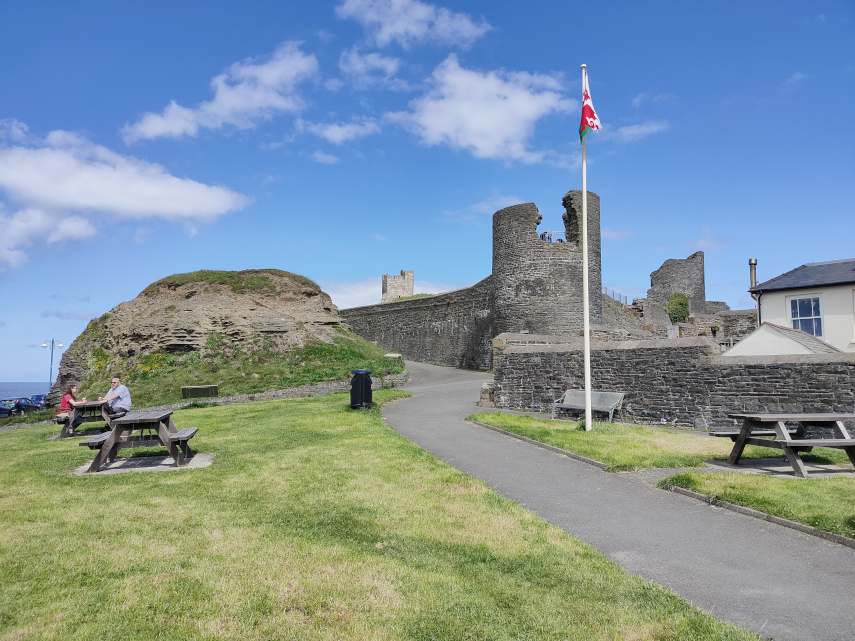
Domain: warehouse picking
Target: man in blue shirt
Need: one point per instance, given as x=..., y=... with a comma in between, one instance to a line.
x=118, y=398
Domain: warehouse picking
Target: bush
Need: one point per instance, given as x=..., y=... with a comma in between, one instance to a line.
x=678, y=308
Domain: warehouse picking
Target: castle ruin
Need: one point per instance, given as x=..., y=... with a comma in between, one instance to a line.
x=524, y=322
x=395, y=287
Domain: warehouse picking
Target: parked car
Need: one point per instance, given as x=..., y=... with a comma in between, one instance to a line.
x=39, y=399
x=5, y=410
x=20, y=405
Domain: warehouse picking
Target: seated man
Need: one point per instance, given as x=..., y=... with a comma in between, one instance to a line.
x=118, y=398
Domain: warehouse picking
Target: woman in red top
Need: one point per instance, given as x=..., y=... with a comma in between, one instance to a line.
x=69, y=400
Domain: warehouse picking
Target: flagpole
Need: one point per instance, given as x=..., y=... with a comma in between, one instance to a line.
x=585, y=302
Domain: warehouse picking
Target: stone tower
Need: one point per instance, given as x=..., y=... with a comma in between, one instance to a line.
x=537, y=284
x=395, y=287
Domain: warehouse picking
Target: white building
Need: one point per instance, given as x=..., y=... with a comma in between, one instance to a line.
x=817, y=298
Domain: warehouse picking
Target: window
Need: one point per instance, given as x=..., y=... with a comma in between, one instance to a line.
x=805, y=315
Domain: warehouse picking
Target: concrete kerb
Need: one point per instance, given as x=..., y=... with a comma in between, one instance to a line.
x=709, y=500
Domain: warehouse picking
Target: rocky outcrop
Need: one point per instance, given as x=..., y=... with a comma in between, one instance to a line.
x=182, y=312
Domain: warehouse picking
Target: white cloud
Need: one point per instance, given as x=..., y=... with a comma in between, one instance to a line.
x=340, y=133
x=327, y=159
x=77, y=314
x=711, y=240
x=491, y=114
x=251, y=90
x=371, y=70
x=410, y=21
x=641, y=98
x=794, y=81
x=615, y=234
x=353, y=63
x=65, y=183
x=632, y=133
x=346, y=294
x=380, y=238
x=14, y=130
x=475, y=213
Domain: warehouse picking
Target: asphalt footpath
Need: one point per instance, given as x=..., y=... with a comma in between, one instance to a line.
x=776, y=581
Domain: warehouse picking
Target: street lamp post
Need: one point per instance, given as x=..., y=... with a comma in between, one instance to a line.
x=54, y=344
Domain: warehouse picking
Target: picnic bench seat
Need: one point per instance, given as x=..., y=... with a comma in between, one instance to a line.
x=95, y=442
x=574, y=399
x=733, y=435
x=181, y=437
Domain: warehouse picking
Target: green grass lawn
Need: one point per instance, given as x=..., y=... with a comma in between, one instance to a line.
x=827, y=504
x=314, y=522
x=631, y=447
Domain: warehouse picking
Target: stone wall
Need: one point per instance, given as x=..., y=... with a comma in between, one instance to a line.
x=738, y=323
x=684, y=276
x=454, y=328
x=680, y=382
x=397, y=286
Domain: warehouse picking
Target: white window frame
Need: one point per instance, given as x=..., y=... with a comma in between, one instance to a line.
x=789, y=311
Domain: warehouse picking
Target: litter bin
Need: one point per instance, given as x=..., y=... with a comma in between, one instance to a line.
x=360, y=389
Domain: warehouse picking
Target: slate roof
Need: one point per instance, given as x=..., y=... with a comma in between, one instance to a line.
x=832, y=272
x=812, y=343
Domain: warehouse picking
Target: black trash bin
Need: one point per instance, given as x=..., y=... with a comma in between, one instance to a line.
x=360, y=389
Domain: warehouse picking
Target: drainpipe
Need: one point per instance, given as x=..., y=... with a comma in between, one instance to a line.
x=752, y=266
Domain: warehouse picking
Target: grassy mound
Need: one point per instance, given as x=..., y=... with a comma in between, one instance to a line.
x=326, y=525
x=157, y=378
x=249, y=280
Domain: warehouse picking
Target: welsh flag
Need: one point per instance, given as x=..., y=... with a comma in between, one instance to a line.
x=590, y=122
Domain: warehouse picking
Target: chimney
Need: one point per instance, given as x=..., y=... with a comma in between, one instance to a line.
x=752, y=266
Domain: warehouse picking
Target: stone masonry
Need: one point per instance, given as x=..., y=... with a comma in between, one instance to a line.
x=395, y=287
x=682, y=381
x=684, y=276
x=536, y=286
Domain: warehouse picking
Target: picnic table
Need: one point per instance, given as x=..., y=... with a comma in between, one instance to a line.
x=756, y=431
x=88, y=412
x=154, y=427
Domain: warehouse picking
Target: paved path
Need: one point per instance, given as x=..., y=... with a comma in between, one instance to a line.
x=743, y=570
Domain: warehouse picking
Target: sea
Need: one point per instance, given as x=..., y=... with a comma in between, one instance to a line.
x=17, y=390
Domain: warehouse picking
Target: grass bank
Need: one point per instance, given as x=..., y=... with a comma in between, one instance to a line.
x=631, y=447
x=314, y=522
x=158, y=377
x=826, y=504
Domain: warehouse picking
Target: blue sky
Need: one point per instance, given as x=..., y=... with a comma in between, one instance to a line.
x=347, y=139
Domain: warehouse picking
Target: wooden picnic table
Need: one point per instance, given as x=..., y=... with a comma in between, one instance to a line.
x=88, y=412
x=783, y=438
x=155, y=428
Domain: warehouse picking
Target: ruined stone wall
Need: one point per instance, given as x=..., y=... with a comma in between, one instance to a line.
x=680, y=382
x=684, y=276
x=397, y=286
x=738, y=323
x=454, y=328
x=538, y=284
x=716, y=306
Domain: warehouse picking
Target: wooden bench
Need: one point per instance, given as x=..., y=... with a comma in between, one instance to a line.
x=574, y=399
x=182, y=437
x=734, y=435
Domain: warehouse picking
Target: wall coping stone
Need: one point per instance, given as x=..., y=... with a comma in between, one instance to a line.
x=575, y=344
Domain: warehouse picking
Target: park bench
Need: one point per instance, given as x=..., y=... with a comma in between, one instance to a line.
x=574, y=399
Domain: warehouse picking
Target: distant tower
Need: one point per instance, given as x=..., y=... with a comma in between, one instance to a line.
x=537, y=284
x=395, y=287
